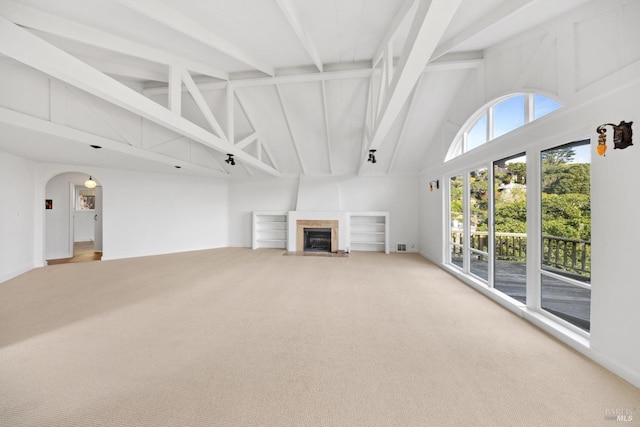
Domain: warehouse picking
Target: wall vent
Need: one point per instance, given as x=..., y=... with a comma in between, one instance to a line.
x=402, y=247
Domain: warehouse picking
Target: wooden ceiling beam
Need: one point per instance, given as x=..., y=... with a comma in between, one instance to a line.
x=503, y=11
x=473, y=60
x=51, y=24
x=172, y=18
x=292, y=15
x=407, y=8
x=46, y=127
x=24, y=47
x=430, y=22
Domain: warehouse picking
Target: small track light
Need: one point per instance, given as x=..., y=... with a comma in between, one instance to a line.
x=230, y=160
x=372, y=156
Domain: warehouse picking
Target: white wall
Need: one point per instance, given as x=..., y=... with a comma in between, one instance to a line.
x=257, y=195
x=600, y=90
x=394, y=194
x=149, y=214
x=17, y=212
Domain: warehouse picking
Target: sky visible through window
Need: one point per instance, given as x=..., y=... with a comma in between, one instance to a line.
x=543, y=106
x=508, y=115
x=478, y=135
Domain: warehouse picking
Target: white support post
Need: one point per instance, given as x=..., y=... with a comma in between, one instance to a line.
x=175, y=89
x=388, y=64
x=382, y=91
x=327, y=128
x=231, y=129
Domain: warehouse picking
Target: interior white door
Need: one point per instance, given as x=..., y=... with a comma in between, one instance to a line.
x=97, y=231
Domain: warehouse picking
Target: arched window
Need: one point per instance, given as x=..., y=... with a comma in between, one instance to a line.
x=499, y=118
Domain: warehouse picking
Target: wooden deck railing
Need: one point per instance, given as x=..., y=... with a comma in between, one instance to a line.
x=568, y=255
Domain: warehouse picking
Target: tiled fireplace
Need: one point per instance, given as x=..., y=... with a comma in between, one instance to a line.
x=336, y=221
x=317, y=235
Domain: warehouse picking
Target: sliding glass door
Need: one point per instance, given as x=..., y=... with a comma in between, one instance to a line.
x=456, y=222
x=566, y=233
x=510, y=226
x=478, y=190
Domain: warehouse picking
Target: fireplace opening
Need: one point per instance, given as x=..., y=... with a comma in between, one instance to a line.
x=317, y=240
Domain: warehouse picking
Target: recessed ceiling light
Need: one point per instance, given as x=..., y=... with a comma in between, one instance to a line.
x=177, y=167
x=95, y=146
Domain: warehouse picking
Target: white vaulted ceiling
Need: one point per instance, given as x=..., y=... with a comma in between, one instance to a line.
x=290, y=87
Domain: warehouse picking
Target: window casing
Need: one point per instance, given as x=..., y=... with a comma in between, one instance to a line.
x=499, y=118
x=504, y=234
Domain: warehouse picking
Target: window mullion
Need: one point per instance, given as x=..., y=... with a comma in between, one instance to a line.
x=466, y=228
x=489, y=124
x=491, y=223
x=529, y=108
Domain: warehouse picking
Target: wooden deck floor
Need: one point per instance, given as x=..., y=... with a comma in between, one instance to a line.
x=569, y=302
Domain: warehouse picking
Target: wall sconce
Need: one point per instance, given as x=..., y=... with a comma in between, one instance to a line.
x=230, y=160
x=435, y=184
x=372, y=156
x=621, y=136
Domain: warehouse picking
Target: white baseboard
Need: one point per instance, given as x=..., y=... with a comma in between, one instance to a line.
x=16, y=273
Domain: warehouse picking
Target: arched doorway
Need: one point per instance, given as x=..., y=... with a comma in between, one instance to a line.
x=73, y=218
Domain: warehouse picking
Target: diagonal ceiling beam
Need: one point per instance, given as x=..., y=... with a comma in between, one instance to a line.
x=430, y=23
x=294, y=19
x=405, y=123
x=288, y=123
x=126, y=71
x=46, y=127
x=503, y=11
x=408, y=7
x=42, y=21
x=163, y=13
x=21, y=45
x=327, y=127
x=202, y=104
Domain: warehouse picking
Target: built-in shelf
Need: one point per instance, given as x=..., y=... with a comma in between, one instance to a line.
x=369, y=231
x=269, y=229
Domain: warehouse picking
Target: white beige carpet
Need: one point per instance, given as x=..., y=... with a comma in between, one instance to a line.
x=235, y=337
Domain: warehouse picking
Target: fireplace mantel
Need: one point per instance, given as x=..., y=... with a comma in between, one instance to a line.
x=301, y=224
x=337, y=221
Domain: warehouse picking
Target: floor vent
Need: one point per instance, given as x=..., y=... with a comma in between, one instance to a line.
x=402, y=247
